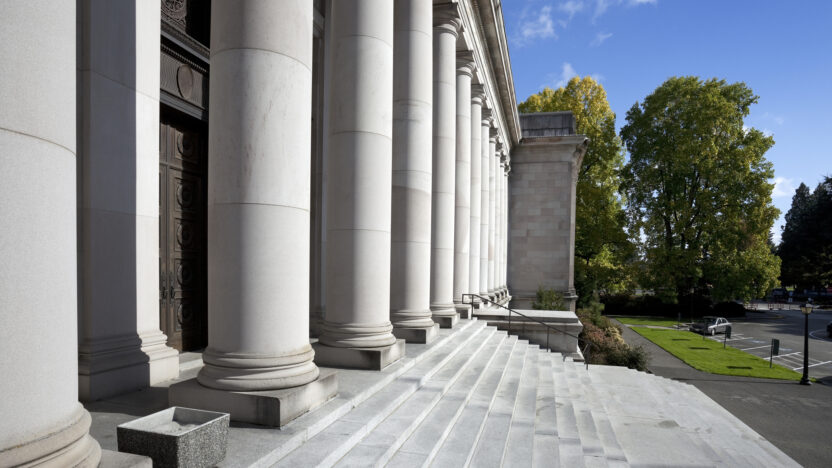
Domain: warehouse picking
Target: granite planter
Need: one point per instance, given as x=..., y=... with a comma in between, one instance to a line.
x=177, y=437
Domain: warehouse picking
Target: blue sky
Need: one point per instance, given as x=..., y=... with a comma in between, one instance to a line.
x=781, y=49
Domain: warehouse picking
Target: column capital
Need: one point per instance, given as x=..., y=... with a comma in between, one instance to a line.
x=487, y=118
x=465, y=63
x=478, y=93
x=446, y=18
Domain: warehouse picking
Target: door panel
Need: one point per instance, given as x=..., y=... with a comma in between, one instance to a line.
x=182, y=237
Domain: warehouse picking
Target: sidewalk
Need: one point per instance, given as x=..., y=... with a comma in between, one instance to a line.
x=793, y=417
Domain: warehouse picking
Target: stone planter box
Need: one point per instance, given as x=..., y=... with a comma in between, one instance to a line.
x=177, y=437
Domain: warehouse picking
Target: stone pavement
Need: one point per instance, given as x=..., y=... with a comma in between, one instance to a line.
x=793, y=417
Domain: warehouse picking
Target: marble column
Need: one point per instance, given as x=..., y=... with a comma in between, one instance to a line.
x=446, y=28
x=492, y=221
x=503, y=225
x=42, y=421
x=477, y=97
x=498, y=227
x=462, y=205
x=258, y=217
x=121, y=347
x=487, y=150
x=359, y=163
x=412, y=166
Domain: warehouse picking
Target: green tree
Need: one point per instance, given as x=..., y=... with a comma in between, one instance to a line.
x=806, y=243
x=601, y=243
x=697, y=190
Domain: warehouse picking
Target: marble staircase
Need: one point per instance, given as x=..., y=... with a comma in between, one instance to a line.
x=485, y=398
x=479, y=397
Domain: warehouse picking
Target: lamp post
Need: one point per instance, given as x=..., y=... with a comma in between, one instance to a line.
x=806, y=309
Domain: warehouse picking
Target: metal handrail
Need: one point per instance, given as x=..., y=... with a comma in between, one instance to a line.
x=549, y=327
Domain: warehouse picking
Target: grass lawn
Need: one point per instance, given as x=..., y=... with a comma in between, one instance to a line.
x=656, y=321
x=708, y=356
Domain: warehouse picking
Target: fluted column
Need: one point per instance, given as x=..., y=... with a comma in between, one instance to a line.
x=462, y=208
x=446, y=26
x=41, y=421
x=487, y=149
x=412, y=167
x=492, y=220
x=477, y=96
x=359, y=188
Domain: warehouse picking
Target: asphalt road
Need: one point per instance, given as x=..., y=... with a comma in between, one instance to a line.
x=795, y=418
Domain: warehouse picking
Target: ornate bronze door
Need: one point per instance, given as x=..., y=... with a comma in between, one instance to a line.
x=183, y=151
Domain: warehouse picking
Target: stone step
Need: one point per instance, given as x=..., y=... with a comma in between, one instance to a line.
x=570, y=451
x=545, y=451
x=376, y=448
x=716, y=434
x=339, y=436
x=592, y=448
x=257, y=446
x=644, y=427
x=425, y=441
x=613, y=453
x=491, y=445
x=520, y=444
x=712, y=431
x=458, y=446
x=721, y=430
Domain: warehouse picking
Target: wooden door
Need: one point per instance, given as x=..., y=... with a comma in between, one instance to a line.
x=183, y=152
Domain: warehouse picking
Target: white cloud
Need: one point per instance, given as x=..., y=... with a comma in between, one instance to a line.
x=536, y=25
x=600, y=38
x=566, y=73
x=601, y=6
x=571, y=7
x=783, y=187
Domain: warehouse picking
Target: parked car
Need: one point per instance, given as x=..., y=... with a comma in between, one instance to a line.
x=710, y=325
x=829, y=329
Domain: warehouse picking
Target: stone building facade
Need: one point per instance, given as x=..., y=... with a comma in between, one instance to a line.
x=240, y=176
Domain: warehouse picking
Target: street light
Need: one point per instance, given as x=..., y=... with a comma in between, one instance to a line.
x=806, y=309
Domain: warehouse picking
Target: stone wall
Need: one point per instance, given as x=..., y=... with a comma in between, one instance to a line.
x=542, y=211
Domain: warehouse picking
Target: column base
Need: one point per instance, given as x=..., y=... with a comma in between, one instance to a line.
x=358, y=358
x=117, y=365
x=446, y=321
x=70, y=445
x=417, y=335
x=444, y=314
x=274, y=408
x=463, y=310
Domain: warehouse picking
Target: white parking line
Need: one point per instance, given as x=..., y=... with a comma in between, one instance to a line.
x=813, y=365
x=784, y=355
x=756, y=347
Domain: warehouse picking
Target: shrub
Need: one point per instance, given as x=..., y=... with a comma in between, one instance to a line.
x=548, y=299
x=607, y=345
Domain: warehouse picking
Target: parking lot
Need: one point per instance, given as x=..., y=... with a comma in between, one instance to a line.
x=754, y=333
